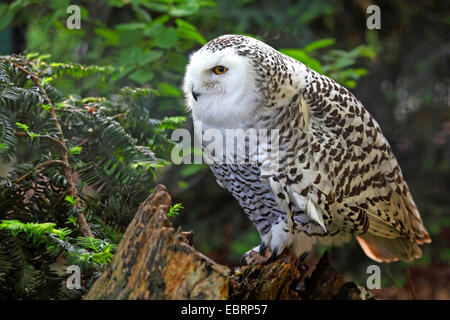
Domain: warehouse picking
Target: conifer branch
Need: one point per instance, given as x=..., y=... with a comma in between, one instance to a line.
x=70, y=189
x=51, y=139
x=42, y=166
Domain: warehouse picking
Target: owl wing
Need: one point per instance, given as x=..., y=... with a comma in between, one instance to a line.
x=355, y=176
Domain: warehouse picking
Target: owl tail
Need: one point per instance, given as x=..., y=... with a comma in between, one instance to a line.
x=388, y=250
x=383, y=242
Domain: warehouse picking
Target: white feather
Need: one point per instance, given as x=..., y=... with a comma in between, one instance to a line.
x=315, y=214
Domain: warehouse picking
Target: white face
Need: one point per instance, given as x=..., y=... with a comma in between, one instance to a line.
x=222, y=99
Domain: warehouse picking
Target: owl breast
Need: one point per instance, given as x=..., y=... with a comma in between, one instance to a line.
x=253, y=193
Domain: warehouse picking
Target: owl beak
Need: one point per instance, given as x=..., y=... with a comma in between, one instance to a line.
x=195, y=94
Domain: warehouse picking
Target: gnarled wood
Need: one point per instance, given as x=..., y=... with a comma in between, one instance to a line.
x=155, y=262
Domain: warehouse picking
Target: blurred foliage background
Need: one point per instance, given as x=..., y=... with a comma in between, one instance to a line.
x=400, y=73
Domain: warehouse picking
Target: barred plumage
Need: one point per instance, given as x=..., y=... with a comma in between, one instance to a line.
x=336, y=175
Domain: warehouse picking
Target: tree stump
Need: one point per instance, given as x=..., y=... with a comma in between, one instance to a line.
x=153, y=261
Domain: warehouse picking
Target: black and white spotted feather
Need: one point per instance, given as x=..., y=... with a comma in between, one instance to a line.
x=335, y=174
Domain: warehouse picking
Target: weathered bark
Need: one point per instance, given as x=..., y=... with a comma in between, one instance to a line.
x=153, y=261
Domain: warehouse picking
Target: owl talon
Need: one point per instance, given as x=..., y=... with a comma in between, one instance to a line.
x=244, y=261
x=274, y=254
x=303, y=256
x=262, y=248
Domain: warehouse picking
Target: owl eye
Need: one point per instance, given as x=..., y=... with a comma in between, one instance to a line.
x=220, y=69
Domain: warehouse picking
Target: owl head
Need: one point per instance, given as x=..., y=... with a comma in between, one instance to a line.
x=220, y=85
x=232, y=78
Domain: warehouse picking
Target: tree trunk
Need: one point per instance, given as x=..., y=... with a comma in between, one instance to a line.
x=153, y=261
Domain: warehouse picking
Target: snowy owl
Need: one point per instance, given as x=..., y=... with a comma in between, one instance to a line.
x=335, y=174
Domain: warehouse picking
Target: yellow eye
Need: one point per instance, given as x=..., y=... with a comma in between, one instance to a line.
x=220, y=69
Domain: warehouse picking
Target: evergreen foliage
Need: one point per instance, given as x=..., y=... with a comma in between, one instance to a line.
x=71, y=160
